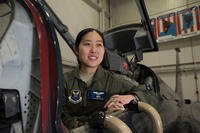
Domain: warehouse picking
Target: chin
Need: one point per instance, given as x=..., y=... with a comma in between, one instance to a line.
x=93, y=64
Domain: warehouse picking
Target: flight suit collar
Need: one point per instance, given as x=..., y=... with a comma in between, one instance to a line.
x=97, y=76
x=76, y=72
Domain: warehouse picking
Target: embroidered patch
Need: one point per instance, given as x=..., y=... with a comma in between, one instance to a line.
x=75, y=96
x=96, y=95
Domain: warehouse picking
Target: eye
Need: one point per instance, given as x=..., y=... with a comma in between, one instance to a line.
x=99, y=44
x=86, y=44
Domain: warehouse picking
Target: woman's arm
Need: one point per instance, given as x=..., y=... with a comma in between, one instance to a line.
x=117, y=102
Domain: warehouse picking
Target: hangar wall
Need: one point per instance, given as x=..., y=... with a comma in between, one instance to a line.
x=163, y=62
x=125, y=11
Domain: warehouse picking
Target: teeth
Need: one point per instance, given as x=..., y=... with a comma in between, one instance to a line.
x=92, y=57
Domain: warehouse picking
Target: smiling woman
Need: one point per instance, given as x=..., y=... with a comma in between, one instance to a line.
x=89, y=49
x=91, y=90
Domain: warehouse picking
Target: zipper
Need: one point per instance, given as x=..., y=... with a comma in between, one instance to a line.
x=85, y=94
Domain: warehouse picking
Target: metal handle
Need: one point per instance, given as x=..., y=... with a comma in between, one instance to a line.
x=155, y=117
x=116, y=125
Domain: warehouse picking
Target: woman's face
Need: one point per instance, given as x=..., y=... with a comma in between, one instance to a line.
x=91, y=50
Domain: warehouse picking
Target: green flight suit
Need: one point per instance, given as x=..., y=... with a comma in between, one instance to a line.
x=78, y=107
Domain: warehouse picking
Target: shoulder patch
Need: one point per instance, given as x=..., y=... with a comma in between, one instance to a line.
x=75, y=96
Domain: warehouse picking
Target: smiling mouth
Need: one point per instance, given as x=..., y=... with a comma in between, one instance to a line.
x=92, y=57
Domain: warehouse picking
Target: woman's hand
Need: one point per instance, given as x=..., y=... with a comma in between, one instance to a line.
x=117, y=102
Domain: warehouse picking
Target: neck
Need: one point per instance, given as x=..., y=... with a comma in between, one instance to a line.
x=88, y=69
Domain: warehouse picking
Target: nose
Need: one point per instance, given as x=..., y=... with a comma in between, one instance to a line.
x=93, y=48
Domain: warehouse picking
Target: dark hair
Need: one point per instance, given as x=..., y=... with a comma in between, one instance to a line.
x=85, y=31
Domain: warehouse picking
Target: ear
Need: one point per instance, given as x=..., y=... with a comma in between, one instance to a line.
x=75, y=49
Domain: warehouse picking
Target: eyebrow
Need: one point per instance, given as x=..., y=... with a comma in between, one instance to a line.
x=90, y=41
